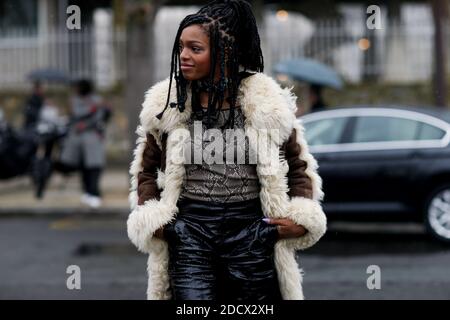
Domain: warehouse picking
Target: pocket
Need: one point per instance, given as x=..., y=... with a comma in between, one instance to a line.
x=268, y=233
x=273, y=233
x=167, y=230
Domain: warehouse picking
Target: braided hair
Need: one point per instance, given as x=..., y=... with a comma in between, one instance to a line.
x=232, y=31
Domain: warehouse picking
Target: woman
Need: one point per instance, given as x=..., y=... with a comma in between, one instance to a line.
x=222, y=229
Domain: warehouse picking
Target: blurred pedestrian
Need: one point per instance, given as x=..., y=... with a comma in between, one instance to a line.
x=316, y=98
x=84, y=146
x=48, y=133
x=33, y=106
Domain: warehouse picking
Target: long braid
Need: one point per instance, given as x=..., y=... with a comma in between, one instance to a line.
x=233, y=34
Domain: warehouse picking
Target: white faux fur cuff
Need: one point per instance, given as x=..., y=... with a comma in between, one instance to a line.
x=144, y=220
x=309, y=214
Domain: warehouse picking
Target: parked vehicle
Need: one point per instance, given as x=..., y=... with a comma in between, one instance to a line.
x=389, y=162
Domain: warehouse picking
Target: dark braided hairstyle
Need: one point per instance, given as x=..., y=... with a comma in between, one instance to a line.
x=231, y=28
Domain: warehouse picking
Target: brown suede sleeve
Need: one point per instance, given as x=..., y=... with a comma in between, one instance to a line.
x=298, y=181
x=151, y=160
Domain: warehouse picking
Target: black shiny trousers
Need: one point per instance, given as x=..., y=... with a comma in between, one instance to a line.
x=222, y=251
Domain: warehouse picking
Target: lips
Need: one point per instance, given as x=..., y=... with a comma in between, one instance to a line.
x=186, y=66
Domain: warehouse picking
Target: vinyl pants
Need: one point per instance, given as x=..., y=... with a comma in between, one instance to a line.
x=222, y=251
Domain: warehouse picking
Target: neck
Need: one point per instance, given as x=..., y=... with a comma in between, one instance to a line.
x=204, y=100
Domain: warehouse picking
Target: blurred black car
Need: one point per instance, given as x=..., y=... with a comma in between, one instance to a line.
x=384, y=163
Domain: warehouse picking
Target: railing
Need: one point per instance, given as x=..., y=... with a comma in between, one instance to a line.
x=398, y=53
x=98, y=54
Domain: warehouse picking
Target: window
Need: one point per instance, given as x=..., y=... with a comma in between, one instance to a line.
x=324, y=131
x=429, y=132
x=377, y=129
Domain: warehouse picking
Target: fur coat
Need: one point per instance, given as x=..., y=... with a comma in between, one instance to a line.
x=269, y=111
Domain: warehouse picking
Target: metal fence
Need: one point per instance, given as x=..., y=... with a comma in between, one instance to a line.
x=400, y=52
x=397, y=53
x=90, y=52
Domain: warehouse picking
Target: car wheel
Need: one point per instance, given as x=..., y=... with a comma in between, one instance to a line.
x=437, y=213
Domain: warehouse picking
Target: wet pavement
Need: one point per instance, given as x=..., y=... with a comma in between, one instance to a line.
x=36, y=251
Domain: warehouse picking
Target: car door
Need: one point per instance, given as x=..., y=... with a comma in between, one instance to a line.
x=377, y=161
x=322, y=134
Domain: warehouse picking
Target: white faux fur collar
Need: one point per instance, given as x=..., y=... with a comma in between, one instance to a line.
x=265, y=106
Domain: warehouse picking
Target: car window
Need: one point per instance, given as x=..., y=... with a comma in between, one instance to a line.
x=324, y=131
x=429, y=132
x=375, y=128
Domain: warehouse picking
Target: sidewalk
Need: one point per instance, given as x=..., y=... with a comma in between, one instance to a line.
x=62, y=196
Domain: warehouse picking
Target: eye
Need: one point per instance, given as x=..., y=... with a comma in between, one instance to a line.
x=196, y=49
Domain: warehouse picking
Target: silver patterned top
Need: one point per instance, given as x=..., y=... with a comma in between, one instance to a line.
x=209, y=176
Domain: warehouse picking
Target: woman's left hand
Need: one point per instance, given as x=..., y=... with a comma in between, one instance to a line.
x=287, y=228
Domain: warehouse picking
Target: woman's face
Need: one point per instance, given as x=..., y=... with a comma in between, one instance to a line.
x=194, y=53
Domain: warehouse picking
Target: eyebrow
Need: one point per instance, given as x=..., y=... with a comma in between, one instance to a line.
x=191, y=41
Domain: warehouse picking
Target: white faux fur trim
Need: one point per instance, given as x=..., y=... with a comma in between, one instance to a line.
x=145, y=219
x=290, y=275
x=161, y=179
x=155, y=102
x=312, y=165
x=136, y=166
x=157, y=270
x=310, y=215
x=267, y=107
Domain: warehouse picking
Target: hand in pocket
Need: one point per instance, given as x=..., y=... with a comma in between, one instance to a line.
x=267, y=233
x=273, y=233
x=160, y=233
x=286, y=227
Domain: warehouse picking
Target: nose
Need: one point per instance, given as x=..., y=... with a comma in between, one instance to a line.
x=184, y=57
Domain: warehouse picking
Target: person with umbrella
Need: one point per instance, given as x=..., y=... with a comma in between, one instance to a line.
x=315, y=73
x=41, y=127
x=33, y=106
x=36, y=101
x=315, y=98
x=84, y=146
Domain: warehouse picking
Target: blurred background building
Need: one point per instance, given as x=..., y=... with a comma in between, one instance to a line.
x=397, y=59
x=34, y=34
